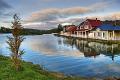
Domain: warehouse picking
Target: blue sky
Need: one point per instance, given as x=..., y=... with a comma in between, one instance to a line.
x=46, y=14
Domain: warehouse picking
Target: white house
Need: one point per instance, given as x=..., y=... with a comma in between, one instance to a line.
x=106, y=32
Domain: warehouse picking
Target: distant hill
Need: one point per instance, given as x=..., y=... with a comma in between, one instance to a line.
x=26, y=31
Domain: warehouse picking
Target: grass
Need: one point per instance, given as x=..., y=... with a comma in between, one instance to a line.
x=29, y=72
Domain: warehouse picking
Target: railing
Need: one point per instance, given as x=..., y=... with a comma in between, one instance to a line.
x=85, y=36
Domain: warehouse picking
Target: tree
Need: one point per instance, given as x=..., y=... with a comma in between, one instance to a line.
x=14, y=43
x=60, y=28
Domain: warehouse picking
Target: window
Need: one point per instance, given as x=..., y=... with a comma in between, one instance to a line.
x=110, y=34
x=103, y=34
x=81, y=27
x=94, y=35
x=99, y=34
x=86, y=27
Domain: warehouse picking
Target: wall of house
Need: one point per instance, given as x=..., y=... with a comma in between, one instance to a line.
x=98, y=34
x=117, y=35
x=105, y=35
x=110, y=35
x=85, y=26
x=82, y=34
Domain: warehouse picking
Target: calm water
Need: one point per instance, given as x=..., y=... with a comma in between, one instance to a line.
x=69, y=56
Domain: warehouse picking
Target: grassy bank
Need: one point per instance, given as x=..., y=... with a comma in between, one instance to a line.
x=29, y=72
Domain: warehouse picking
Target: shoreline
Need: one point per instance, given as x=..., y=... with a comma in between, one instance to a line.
x=91, y=40
x=38, y=70
x=32, y=71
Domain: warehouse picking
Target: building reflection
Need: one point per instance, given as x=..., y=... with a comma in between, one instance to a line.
x=86, y=49
x=92, y=49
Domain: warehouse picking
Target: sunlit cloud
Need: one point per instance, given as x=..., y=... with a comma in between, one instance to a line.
x=109, y=16
x=53, y=23
x=49, y=15
x=46, y=47
x=55, y=13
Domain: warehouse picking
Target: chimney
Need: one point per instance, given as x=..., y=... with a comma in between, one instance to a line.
x=96, y=19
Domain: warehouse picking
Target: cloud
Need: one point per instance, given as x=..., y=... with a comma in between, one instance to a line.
x=53, y=23
x=44, y=15
x=51, y=17
x=75, y=20
x=48, y=45
x=55, y=13
x=38, y=25
x=113, y=16
x=3, y=6
x=110, y=16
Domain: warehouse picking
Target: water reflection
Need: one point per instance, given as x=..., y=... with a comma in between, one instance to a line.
x=92, y=49
x=69, y=56
x=51, y=45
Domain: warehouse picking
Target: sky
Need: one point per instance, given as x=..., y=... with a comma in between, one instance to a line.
x=47, y=14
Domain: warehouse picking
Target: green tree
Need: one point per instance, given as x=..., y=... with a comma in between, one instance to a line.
x=14, y=43
x=60, y=28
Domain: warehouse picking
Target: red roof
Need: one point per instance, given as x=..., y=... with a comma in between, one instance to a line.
x=71, y=28
x=94, y=23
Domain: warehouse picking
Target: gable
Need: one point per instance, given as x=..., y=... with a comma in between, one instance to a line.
x=98, y=29
x=94, y=23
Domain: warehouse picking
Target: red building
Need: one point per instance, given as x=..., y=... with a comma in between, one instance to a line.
x=85, y=27
x=70, y=29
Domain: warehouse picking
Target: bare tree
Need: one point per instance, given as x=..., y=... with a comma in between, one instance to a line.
x=15, y=41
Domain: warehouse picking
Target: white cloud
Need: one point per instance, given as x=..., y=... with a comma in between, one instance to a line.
x=108, y=16
x=51, y=17
x=75, y=20
x=55, y=13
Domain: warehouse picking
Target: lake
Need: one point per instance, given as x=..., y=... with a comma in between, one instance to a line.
x=69, y=56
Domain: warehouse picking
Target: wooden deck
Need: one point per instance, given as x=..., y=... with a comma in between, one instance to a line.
x=92, y=40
